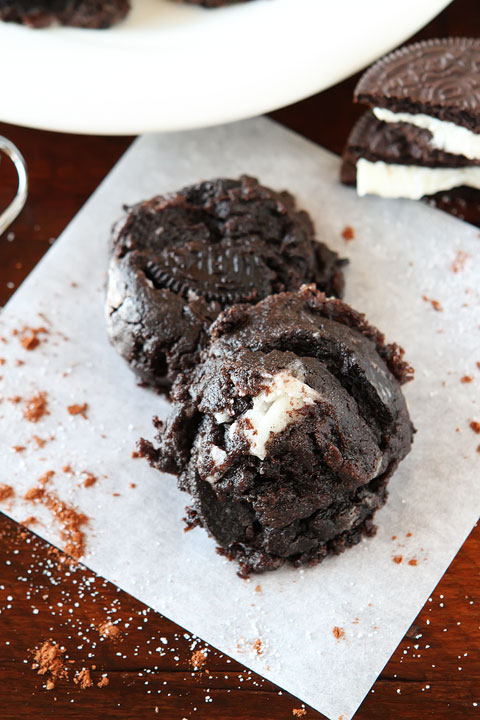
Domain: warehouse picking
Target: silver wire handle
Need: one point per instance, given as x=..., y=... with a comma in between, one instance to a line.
x=16, y=206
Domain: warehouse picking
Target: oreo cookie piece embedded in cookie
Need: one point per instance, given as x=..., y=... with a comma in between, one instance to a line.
x=433, y=84
x=178, y=260
x=287, y=432
x=95, y=14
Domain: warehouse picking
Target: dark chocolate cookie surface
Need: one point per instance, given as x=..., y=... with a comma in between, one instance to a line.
x=95, y=14
x=179, y=259
x=288, y=431
x=439, y=77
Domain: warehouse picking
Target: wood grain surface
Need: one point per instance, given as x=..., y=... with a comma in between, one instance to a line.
x=153, y=667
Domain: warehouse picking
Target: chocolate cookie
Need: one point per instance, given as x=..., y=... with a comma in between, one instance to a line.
x=178, y=260
x=439, y=78
x=287, y=432
x=93, y=14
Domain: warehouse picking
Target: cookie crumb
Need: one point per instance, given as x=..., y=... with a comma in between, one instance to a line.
x=397, y=559
x=18, y=448
x=103, y=682
x=76, y=409
x=434, y=303
x=39, y=441
x=89, y=480
x=299, y=712
x=466, y=379
x=338, y=632
x=135, y=454
x=348, y=233
x=413, y=561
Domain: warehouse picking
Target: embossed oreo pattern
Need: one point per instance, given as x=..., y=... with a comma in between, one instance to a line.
x=434, y=74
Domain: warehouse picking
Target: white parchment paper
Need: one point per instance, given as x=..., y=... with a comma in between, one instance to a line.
x=402, y=251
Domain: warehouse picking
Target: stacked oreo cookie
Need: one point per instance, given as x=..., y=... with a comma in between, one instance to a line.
x=421, y=136
x=287, y=416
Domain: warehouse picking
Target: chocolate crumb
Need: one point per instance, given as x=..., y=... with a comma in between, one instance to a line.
x=89, y=480
x=6, y=492
x=133, y=485
x=338, y=632
x=397, y=559
x=348, y=233
x=36, y=407
x=475, y=426
x=135, y=454
x=18, y=448
x=466, y=379
x=76, y=409
x=434, y=303
x=413, y=561
x=29, y=337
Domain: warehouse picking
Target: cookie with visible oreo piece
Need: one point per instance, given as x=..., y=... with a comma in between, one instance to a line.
x=288, y=430
x=95, y=14
x=178, y=260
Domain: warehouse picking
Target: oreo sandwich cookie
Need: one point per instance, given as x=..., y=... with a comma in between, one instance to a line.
x=178, y=260
x=398, y=160
x=287, y=432
x=95, y=14
x=426, y=141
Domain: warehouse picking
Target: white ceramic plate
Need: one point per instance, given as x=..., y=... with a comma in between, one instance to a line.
x=171, y=66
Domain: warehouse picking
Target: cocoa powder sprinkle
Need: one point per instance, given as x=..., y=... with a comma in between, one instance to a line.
x=338, y=632
x=6, y=492
x=48, y=660
x=36, y=407
x=76, y=409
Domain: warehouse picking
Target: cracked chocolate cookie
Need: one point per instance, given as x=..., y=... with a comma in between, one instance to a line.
x=178, y=260
x=288, y=430
x=95, y=14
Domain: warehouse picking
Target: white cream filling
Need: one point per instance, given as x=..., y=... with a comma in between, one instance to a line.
x=446, y=135
x=411, y=181
x=278, y=405
x=219, y=458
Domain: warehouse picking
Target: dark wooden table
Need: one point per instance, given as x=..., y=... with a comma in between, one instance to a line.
x=435, y=671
